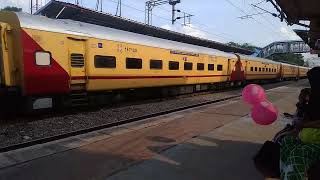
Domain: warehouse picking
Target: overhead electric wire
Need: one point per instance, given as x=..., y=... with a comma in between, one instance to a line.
x=212, y=28
x=218, y=34
x=254, y=6
x=241, y=10
x=167, y=19
x=266, y=19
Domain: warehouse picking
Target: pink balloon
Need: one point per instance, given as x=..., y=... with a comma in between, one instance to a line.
x=264, y=113
x=253, y=94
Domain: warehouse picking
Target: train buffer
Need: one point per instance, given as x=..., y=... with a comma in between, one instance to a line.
x=216, y=141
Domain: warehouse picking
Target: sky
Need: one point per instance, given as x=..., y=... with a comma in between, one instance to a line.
x=213, y=19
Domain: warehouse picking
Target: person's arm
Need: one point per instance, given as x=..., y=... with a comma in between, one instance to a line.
x=311, y=124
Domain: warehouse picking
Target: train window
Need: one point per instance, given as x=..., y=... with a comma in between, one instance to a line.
x=155, y=64
x=259, y=69
x=263, y=69
x=219, y=67
x=188, y=66
x=105, y=61
x=269, y=69
x=173, y=65
x=43, y=58
x=200, y=66
x=211, y=67
x=256, y=69
x=251, y=69
x=133, y=63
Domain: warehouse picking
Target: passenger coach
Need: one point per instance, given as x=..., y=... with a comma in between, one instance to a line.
x=47, y=62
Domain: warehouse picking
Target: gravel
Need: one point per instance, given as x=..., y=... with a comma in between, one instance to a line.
x=45, y=127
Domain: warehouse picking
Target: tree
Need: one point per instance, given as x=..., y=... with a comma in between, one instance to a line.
x=290, y=58
x=12, y=8
x=244, y=46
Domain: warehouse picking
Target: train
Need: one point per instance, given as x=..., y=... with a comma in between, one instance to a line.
x=47, y=63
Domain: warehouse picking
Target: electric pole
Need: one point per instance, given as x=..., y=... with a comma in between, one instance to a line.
x=154, y=3
x=119, y=8
x=173, y=3
x=99, y=5
x=34, y=6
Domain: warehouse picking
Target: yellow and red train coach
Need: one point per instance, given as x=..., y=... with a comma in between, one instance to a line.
x=44, y=59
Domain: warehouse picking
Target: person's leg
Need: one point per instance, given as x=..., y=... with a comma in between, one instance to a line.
x=299, y=160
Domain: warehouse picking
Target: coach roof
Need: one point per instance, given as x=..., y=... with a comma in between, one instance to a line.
x=100, y=32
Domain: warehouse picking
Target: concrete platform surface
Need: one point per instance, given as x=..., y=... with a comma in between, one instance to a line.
x=212, y=142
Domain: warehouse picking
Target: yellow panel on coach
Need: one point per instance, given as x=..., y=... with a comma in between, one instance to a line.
x=289, y=71
x=120, y=77
x=260, y=70
x=303, y=72
x=10, y=45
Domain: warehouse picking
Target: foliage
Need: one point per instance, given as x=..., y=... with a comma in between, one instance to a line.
x=12, y=8
x=290, y=58
x=244, y=46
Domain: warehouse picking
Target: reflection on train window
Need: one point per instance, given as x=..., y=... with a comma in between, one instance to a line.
x=133, y=63
x=200, y=66
x=105, y=61
x=263, y=69
x=251, y=69
x=269, y=69
x=173, y=65
x=259, y=69
x=219, y=67
x=188, y=66
x=155, y=64
x=256, y=69
x=211, y=67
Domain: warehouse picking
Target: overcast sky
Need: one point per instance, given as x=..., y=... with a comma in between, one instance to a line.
x=214, y=19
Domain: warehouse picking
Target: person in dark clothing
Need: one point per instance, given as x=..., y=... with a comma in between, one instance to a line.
x=300, y=155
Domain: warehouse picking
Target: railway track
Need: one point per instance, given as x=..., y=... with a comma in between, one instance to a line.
x=62, y=135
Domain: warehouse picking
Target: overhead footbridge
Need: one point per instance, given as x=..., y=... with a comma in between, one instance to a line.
x=284, y=47
x=304, y=13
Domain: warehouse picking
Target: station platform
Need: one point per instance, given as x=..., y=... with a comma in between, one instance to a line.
x=215, y=141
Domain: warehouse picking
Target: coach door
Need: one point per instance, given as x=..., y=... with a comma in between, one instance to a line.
x=77, y=57
x=2, y=50
x=4, y=54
